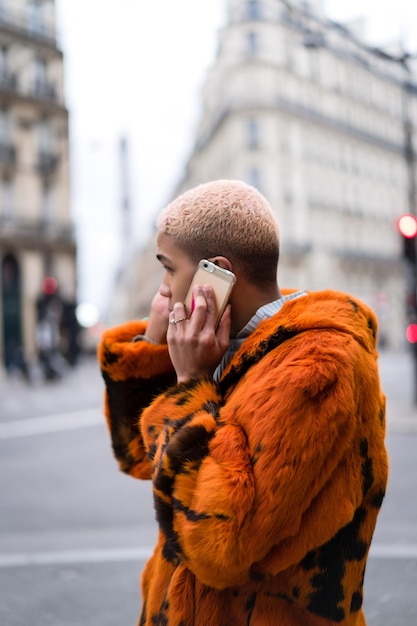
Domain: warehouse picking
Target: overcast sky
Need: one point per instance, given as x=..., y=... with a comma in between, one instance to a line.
x=135, y=68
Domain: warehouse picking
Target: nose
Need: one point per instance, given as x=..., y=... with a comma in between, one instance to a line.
x=165, y=291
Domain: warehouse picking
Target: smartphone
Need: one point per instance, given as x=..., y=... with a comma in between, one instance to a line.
x=222, y=281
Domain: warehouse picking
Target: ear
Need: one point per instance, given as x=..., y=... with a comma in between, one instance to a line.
x=222, y=262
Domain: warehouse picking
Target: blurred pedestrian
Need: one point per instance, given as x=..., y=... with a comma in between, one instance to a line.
x=264, y=438
x=48, y=337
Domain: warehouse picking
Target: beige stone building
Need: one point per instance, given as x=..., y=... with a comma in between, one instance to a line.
x=36, y=234
x=319, y=121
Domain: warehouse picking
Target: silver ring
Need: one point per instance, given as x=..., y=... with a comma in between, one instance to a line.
x=181, y=319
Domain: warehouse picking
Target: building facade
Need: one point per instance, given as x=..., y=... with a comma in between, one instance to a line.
x=324, y=125
x=37, y=241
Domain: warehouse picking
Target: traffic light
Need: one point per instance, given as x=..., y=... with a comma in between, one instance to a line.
x=407, y=226
x=411, y=333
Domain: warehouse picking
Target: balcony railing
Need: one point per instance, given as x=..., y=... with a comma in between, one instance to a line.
x=39, y=90
x=20, y=24
x=43, y=90
x=36, y=229
x=47, y=163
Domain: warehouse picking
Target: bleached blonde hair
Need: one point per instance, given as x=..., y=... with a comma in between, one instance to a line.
x=226, y=218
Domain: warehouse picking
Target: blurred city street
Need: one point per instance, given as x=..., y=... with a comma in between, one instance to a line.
x=75, y=532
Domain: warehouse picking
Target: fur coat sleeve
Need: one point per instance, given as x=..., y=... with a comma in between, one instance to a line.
x=134, y=373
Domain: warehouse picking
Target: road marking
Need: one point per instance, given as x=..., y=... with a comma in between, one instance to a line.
x=51, y=423
x=141, y=553
x=83, y=418
x=26, y=559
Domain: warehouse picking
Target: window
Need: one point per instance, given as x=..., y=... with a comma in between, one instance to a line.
x=35, y=16
x=44, y=137
x=253, y=10
x=252, y=130
x=47, y=205
x=254, y=177
x=5, y=127
x=6, y=198
x=252, y=44
x=315, y=66
x=289, y=54
x=3, y=60
x=39, y=72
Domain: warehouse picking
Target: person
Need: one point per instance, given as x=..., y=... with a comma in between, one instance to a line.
x=264, y=439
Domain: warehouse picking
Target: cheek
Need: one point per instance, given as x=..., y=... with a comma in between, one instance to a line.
x=180, y=287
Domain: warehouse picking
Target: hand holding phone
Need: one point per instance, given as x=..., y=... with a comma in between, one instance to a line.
x=221, y=280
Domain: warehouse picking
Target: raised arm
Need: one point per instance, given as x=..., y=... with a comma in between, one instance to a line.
x=136, y=367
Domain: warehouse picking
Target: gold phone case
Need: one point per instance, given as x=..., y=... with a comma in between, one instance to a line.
x=222, y=281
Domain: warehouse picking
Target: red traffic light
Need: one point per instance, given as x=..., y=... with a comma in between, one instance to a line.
x=411, y=333
x=407, y=225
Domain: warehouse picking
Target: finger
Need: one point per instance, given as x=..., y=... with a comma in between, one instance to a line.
x=171, y=320
x=179, y=311
x=223, y=331
x=178, y=320
x=211, y=314
x=198, y=316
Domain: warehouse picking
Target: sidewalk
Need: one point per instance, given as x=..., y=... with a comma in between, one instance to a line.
x=80, y=387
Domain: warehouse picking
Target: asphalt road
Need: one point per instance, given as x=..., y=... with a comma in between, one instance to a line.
x=75, y=532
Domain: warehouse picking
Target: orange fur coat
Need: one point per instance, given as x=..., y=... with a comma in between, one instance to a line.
x=267, y=485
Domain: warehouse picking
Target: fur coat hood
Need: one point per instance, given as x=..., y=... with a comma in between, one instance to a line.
x=267, y=485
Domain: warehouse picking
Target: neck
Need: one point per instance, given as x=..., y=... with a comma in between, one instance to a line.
x=246, y=300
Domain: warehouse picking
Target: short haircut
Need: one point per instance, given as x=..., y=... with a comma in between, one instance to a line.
x=226, y=218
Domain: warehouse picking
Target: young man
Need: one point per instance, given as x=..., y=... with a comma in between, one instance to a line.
x=264, y=439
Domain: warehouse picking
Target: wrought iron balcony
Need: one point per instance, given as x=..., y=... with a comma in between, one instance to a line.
x=35, y=230
x=19, y=24
x=43, y=90
x=47, y=163
x=39, y=90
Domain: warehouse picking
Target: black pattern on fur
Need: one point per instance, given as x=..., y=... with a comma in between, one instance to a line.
x=367, y=471
x=328, y=563
x=190, y=514
x=248, y=360
x=377, y=499
x=191, y=444
x=165, y=516
x=126, y=400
